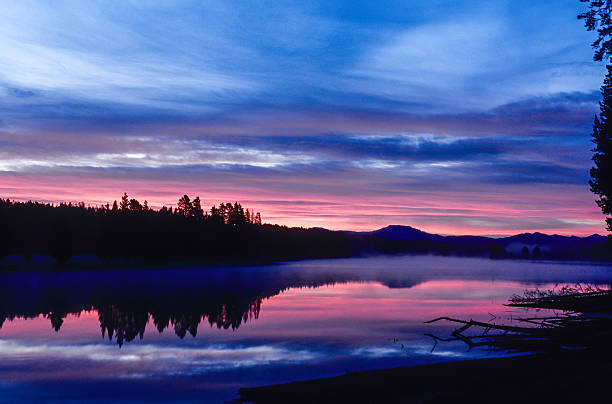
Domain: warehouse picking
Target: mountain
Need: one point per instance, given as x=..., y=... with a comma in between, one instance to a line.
x=511, y=243
x=555, y=239
x=404, y=233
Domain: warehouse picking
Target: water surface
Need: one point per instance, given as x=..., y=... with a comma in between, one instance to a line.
x=197, y=335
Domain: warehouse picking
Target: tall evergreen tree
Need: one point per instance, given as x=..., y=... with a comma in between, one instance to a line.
x=125, y=202
x=184, y=206
x=601, y=173
x=196, y=208
x=598, y=18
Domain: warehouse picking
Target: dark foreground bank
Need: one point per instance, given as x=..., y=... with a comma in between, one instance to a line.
x=569, y=378
x=572, y=364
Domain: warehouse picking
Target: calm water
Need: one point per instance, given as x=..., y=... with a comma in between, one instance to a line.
x=197, y=335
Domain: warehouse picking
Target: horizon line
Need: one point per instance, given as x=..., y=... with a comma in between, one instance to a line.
x=157, y=207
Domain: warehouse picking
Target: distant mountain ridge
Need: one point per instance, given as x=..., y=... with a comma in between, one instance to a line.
x=530, y=240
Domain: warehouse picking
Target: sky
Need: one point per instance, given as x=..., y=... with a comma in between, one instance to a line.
x=463, y=117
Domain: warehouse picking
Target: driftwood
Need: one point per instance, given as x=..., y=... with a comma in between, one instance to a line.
x=578, y=299
x=571, y=330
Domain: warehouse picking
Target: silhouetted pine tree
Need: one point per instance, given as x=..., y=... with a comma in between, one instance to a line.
x=196, y=208
x=135, y=205
x=598, y=18
x=601, y=173
x=125, y=202
x=184, y=206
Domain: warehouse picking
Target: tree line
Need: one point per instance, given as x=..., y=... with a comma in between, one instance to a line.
x=226, y=213
x=129, y=232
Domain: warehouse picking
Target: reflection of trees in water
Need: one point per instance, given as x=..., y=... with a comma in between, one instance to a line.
x=225, y=298
x=126, y=308
x=125, y=325
x=124, y=322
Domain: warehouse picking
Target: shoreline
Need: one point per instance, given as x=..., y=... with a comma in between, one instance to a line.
x=92, y=263
x=527, y=378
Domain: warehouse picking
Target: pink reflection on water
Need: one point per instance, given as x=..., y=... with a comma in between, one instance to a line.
x=299, y=326
x=355, y=308
x=359, y=308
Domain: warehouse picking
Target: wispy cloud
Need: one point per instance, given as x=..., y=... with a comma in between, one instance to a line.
x=327, y=103
x=147, y=360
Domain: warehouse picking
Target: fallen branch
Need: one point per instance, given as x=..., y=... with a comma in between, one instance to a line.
x=568, y=331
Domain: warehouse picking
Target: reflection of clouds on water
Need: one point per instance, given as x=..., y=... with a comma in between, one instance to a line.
x=375, y=351
x=426, y=350
x=227, y=297
x=408, y=350
x=154, y=360
x=318, y=318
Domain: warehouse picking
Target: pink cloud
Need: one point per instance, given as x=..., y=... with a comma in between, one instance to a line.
x=334, y=201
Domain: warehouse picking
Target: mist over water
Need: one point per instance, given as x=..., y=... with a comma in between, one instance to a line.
x=193, y=335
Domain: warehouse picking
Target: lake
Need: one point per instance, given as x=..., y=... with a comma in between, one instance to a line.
x=197, y=335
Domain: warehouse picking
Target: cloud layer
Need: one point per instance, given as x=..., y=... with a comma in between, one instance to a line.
x=464, y=118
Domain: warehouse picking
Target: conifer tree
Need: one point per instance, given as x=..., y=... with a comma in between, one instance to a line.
x=196, y=208
x=184, y=206
x=601, y=173
x=598, y=18
x=125, y=202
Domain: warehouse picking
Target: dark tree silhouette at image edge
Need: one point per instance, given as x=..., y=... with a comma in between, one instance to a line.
x=598, y=18
x=601, y=178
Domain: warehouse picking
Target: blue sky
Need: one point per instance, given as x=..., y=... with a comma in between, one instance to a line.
x=392, y=111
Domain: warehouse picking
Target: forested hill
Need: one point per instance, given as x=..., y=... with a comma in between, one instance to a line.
x=525, y=245
x=537, y=243
x=129, y=233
